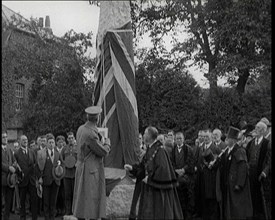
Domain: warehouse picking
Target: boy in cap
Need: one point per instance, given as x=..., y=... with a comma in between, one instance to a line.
x=89, y=200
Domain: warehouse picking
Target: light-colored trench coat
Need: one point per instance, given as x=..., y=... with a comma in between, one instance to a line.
x=89, y=200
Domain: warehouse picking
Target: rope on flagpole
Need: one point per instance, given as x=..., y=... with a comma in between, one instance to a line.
x=103, y=75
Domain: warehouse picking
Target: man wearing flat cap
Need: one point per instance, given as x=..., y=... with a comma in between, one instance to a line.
x=89, y=200
x=234, y=182
x=259, y=159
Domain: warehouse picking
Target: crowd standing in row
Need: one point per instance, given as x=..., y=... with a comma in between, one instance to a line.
x=212, y=179
x=45, y=171
x=217, y=179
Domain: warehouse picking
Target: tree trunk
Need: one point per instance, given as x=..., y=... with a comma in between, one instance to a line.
x=242, y=80
x=212, y=77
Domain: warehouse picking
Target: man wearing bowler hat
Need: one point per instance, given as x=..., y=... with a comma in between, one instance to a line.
x=234, y=181
x=89, y=200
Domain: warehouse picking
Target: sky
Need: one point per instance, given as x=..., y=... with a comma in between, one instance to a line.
x=79, y=16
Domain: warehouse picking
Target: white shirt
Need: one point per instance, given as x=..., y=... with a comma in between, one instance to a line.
x=179, y=148
x=259, y=140
x=208, y=145
x=25, y=150
x=49, y=151
x=4, y=147
x=59, y=149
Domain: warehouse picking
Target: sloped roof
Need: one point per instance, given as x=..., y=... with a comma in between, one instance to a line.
x=8, y=16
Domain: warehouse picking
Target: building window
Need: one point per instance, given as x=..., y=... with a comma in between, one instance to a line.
x=19, y=96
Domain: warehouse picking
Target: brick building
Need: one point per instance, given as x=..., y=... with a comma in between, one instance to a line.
x=23, y=34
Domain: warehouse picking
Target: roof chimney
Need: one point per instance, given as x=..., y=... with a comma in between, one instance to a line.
x=41, y=22
x=47, y=22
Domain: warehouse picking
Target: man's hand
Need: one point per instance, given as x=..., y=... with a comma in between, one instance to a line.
x=180, y=172
x=107, y=141
x=145, y=180
x=262, y=176
x=237, y=188
x=12, y=169
x=40, y=181
x=128, y=167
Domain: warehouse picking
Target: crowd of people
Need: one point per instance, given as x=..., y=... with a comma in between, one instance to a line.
x=220, y=176
x=38, y=176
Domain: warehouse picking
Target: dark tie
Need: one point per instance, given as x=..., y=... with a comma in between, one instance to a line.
x=51, y=153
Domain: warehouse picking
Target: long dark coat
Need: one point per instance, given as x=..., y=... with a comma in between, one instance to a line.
x=89, y=200
x=234, y=171
x=159, y=198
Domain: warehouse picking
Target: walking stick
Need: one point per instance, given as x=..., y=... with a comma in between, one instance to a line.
x=263, y=200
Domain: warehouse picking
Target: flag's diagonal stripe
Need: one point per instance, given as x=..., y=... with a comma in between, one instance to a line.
x=108, y=115
x=99, y=72
x=120, y=56
x=123, y=82
x=107, y=84
x=108, y=103
x=127, y=56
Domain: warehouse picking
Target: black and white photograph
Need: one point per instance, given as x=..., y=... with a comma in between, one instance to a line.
x=136, y=110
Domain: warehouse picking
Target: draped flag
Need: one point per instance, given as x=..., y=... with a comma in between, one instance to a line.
x=115, y=82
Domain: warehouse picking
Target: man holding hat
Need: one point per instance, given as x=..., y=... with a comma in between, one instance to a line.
x=89, y=200
x=234, y=181
x=7, y=168
x=26, y=159
x=52, y=171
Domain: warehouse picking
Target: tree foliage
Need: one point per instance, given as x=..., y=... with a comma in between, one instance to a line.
x=56, y=68
x=232, y=37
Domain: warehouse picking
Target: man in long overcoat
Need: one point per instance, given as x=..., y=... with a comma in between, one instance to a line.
x=234, y=182
x=259, y=159
x=89, y=200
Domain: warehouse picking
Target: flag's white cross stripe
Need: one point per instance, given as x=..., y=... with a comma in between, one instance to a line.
x=108, y=116
x=123, y=82
x=123, y=47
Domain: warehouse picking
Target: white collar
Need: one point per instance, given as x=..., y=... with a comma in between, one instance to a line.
x=24, y=149
x=49, y=151
x=208, y=145
x=218, y=143
x=4, y=147
x=152, y=143
x=259, y=140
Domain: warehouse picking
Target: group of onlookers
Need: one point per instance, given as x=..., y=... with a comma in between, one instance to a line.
x=38, y=177
x=222, y=176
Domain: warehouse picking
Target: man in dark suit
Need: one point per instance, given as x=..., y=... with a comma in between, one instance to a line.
x=7, y=162
x=69, y=156
x=259, y=159
x=47, y=159
x=210, y=207
x=182, y=159
x=26, y=159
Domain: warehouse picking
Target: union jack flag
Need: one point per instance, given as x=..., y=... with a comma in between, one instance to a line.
x=115, y=83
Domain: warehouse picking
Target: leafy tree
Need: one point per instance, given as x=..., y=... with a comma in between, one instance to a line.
x=167, y=98
x=59, y=89
x=232, y=37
